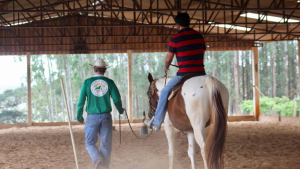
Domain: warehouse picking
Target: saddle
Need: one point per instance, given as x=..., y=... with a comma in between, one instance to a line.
x=176, y=106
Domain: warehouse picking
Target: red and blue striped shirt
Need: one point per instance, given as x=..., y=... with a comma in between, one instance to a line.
x=189, y=47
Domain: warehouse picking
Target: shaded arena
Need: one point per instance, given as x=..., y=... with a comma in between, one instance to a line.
x=251, y=145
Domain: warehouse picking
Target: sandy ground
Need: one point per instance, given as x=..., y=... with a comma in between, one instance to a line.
x=253, y=145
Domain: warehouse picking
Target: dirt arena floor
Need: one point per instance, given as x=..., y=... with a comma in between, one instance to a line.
x=253, y=145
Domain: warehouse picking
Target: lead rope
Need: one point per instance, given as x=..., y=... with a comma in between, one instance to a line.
x=131, y=128
x=166, y=75
x=166, y=78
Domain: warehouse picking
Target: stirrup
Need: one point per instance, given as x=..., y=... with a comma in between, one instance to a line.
x=149, y=122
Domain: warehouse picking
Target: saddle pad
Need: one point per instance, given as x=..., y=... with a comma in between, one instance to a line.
x=181, y=82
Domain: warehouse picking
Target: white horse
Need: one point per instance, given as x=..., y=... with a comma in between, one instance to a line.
x=206, y=100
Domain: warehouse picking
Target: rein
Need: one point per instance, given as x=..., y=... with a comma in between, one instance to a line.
x=166, y=79
x=152, y=91
x=131, y=128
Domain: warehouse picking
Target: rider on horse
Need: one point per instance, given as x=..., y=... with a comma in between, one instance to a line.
x=189, y=47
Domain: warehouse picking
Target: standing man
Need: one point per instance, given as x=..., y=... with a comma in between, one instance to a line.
x=98, y=90
x=189, y=47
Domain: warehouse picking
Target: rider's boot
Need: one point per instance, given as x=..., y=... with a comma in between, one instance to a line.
x=151, y=125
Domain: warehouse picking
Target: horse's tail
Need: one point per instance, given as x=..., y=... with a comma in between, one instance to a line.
x=215, y=142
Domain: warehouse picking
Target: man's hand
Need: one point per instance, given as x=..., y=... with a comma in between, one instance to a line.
x=81, y=122
x=123, y=110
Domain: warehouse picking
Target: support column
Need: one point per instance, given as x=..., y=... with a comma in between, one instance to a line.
x=130, y=101
x=29, y=115
x=255, y=72
x=299, y=67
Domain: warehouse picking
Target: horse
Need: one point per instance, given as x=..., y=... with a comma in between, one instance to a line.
x=201, y=100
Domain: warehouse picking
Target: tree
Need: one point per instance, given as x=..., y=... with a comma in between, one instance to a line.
x=273, y=64
x=236, y=81
x=286, y=64
x=51, y=92
x=10, y=103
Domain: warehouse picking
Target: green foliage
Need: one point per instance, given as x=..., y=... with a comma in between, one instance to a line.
x=279, y=106
x=12, y=108
x=12, y=116
x=247, y=106
x=266, y=104
x=285, y=107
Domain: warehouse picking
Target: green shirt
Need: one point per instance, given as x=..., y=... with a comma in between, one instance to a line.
x=98, y=90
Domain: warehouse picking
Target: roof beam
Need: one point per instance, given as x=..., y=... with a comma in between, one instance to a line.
x=4, y=5
x=136, y=35
x=152, y=10
x=141, y=25
x=119, y=43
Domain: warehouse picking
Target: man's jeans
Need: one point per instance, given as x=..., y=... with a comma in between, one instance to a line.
x=102, y=124
x=162, y=106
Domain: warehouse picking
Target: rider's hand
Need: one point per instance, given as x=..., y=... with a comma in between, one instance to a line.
x=81, y=122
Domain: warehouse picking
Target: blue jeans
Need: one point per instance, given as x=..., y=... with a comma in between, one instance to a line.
x=99, y=124
x=162, y=106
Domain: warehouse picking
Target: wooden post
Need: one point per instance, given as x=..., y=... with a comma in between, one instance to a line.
x=130, y=101
x=29, y=114
x=299, y=68
x=255, y=72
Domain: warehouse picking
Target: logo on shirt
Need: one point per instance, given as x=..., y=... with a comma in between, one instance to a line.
x=99, y=88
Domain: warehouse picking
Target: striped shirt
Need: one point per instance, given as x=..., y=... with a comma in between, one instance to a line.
x=189, y=47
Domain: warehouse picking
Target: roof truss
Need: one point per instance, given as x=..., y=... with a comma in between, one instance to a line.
x=65, y=25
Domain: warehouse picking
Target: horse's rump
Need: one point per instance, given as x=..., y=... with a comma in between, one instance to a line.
x=177, y=112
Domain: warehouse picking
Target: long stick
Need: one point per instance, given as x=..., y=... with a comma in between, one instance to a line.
x=120, y=126
x=70, y=126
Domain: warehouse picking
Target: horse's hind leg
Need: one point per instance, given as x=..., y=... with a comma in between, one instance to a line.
x=169, y=129
x=199, y=132
x=191, y=150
